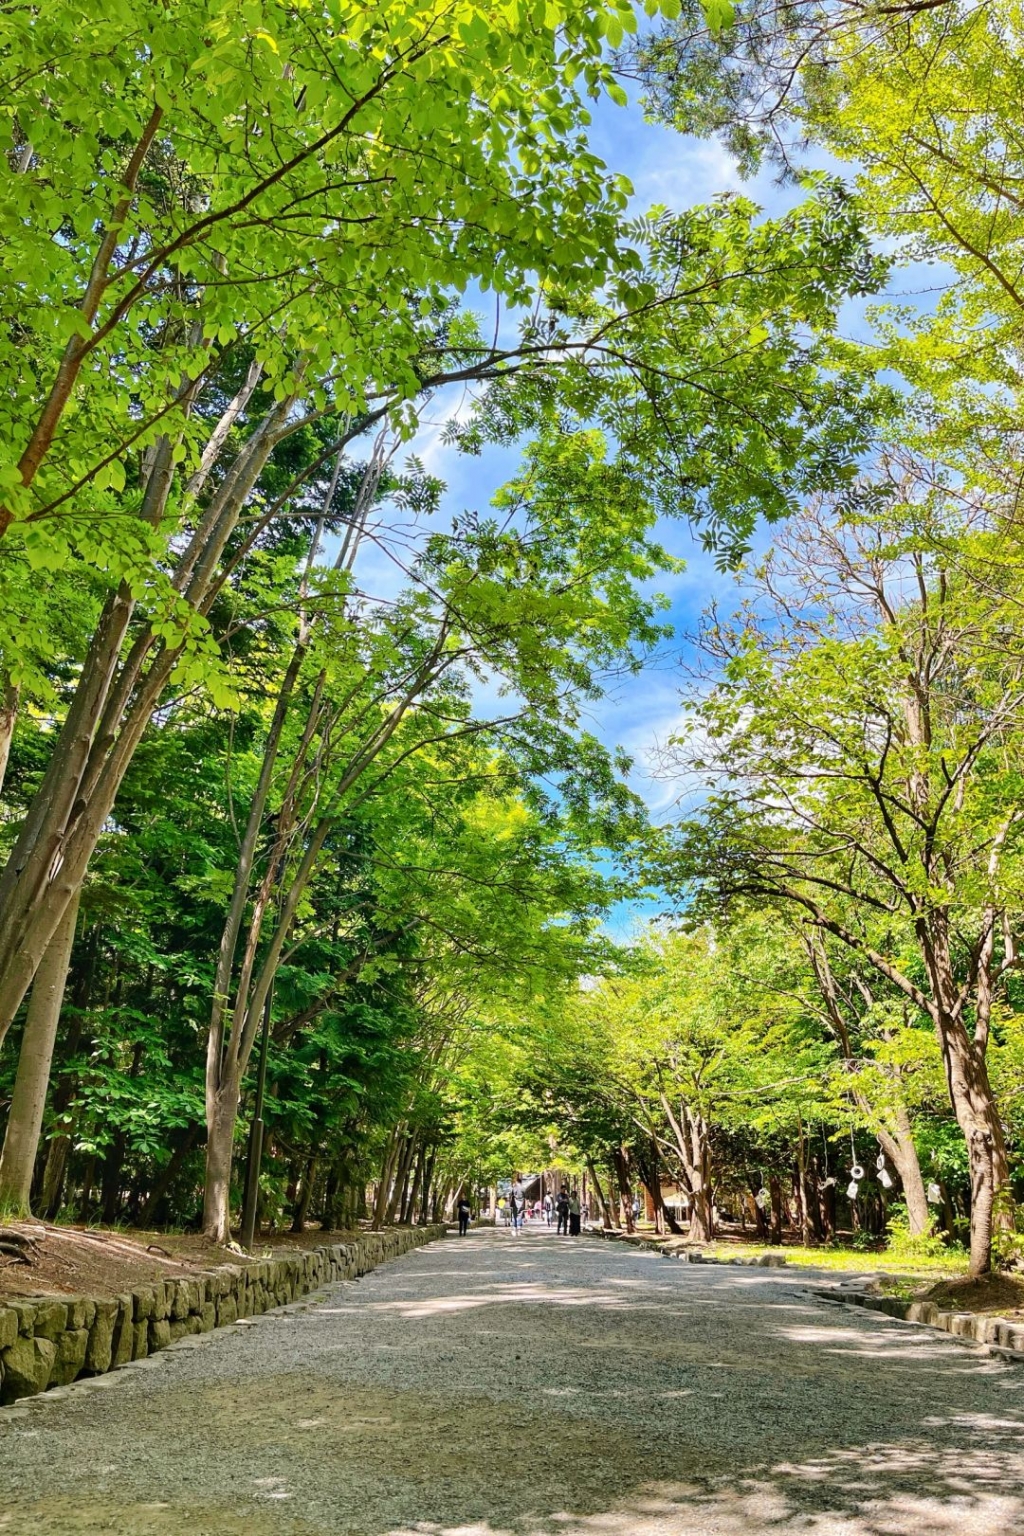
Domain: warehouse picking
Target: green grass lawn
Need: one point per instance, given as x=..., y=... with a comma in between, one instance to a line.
x=854, y=1260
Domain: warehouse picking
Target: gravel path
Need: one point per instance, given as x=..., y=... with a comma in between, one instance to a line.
x=490, y=1386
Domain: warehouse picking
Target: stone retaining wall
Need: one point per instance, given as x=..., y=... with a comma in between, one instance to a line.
x=48, y=1341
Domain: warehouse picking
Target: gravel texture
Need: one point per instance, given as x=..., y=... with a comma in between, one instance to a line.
x=494, y=1386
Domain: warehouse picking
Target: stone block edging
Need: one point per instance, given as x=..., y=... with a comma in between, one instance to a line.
x=998, y=1335
x=49, y=1341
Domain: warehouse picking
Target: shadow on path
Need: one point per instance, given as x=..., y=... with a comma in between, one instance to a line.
x=494, y=1387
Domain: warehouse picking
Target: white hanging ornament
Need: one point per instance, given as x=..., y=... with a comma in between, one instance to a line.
x=851, y=1189
x=880, y=1161
x=762, y=1198
x=885, y=1178
x=856, y=1172
x=934, y=1194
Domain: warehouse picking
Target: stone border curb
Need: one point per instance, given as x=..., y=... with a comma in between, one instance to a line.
x=996, y=1334
x=50, y=1341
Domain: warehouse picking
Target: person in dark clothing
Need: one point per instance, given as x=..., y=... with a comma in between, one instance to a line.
x=574, y=1215
x=562, y=1211
x=465, y=1211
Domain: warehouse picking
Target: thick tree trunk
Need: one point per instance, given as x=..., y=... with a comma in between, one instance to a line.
x=978, y=1118
x=24, y=1124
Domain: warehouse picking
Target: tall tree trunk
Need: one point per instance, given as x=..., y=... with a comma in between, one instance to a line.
x=111, y=709
x=760, y=1220
x=775, y=1190
x=332, y=1188
x=387, y=1172
x=21, y=1142
x=803, y=1201
x=305, y=1190
x=428, y=1176
x=220, y=1138
x=899, y=1148
x=621, y=1160
x=606, y=1211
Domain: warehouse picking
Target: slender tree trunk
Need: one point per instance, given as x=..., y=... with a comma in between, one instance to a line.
x=332, y=1187
x=220, y=1137
x=380, y=1204
x=760, y=1220
x=807, y=1233
x=428, y=1176
x=775, y=1190
x=111, y=708
x=304, y=1191
x=24, y=1124
x=621, y=1160
x=899, y=1148
x=606, y=1210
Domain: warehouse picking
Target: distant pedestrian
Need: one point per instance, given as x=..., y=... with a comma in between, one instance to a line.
x=465, y=1211
x=517, y=1205
x=503, y=1211
x=562, y=1211
x=549, y=1209
x=574, y=1214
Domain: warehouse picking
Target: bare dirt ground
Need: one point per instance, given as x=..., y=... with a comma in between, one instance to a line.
x=96, y=1261
x=493, y=1386
x=1002, y=1295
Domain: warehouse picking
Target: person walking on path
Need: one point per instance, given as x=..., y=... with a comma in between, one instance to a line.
x=465, y=1211
x=574, y=1214
x=562, y=1211
x=549, y=1208
x=517, y=1205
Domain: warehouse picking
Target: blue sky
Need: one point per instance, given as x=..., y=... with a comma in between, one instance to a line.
x=669, y=169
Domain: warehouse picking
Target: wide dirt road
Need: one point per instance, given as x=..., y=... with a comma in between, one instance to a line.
x=489, y=1386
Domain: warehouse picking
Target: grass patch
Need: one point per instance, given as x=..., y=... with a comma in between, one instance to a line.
x=852, y=1260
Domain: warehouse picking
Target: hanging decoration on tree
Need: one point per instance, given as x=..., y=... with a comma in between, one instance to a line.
x=856, y=1171
x=934, y=1193
x=884, y=1176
